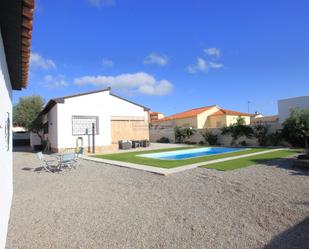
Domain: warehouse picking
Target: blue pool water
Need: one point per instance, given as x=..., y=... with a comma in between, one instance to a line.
x=190, y=153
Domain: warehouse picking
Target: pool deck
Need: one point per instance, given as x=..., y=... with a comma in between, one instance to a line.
x=164, y=171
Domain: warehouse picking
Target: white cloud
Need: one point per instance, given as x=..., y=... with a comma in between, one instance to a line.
x=161, y=88
x=154, y=58
x=203, y=66
x=37, y=60
x=57, y=81
x=200, y=65
x=107, y=62
x=99, y=3
x=212, y=51
x=215, y=65
x=140, y=82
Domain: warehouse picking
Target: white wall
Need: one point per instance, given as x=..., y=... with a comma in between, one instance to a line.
x=34, y=140
x=88, y=105
x=6, y=161
x=121, y=108
x=52, y=127
x=100, y=104
x=285, y=105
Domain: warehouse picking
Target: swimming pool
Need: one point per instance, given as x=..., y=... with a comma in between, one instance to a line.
x=190, y=153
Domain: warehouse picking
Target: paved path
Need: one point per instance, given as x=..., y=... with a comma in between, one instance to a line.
x=164, y=171
x=98, y=206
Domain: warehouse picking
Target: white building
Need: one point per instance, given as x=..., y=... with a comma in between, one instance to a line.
x=285, y=106
x=68, y=121
x=15, y=39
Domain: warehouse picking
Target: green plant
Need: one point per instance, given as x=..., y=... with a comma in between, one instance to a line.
x=260, y=131
x=182, y=133
x=274, y=138
x=210, y=138
x=163, y=140
x=296, y=128
x=243, y=143
x=237, y=130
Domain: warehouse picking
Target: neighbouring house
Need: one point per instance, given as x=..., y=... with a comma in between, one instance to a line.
x=256, y=115
x=15, y=39
x=154, y=116
x=203, y=117
x=285, y=106
x=71, y=120
x=268, y=120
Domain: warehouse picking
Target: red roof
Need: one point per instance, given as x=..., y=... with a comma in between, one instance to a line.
x=197, y=111
x=186, y=114
x=229, y=112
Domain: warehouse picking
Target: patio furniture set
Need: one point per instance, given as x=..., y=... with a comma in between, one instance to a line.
x=66, y=160
x=131, y=144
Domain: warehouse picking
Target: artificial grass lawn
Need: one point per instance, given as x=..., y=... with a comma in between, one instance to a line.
x=247, y=161
x=133, y=158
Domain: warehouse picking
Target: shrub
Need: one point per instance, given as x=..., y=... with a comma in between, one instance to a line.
x=182, y=133
x=210, y=138
x=296, y=128
x=201, y=142
x=274, y=138
x=243, y=143
x=260, y=131
x=163, y=140
x=237, y=130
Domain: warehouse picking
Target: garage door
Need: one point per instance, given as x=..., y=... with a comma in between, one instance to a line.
x=129, y=130
x=21, y=138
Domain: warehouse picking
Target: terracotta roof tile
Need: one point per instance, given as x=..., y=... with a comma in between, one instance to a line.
x=197, y=111
x=27, y=16
x=230, y=112
x=186, y=114
x=273, y=118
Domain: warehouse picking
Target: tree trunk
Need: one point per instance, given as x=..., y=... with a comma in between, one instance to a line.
x=40, y=136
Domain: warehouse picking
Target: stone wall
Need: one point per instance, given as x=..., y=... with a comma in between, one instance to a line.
x=157, y=133
x=98, y=149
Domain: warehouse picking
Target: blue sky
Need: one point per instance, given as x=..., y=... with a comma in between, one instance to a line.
x=173, y=55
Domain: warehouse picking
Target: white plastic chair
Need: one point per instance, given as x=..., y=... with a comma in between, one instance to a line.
x=45, y=163
x=68, y=160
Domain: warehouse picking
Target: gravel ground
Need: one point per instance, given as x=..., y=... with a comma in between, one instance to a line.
x=103, y=206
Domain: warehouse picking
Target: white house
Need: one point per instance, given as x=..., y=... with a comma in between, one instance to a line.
x=69, y=119
x=285, y=106
x=15, y=39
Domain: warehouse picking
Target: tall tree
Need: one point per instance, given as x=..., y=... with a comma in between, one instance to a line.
x=26, y=112
x=296, y=128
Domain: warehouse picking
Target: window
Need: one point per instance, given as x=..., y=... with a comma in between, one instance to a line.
x=82, y=125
